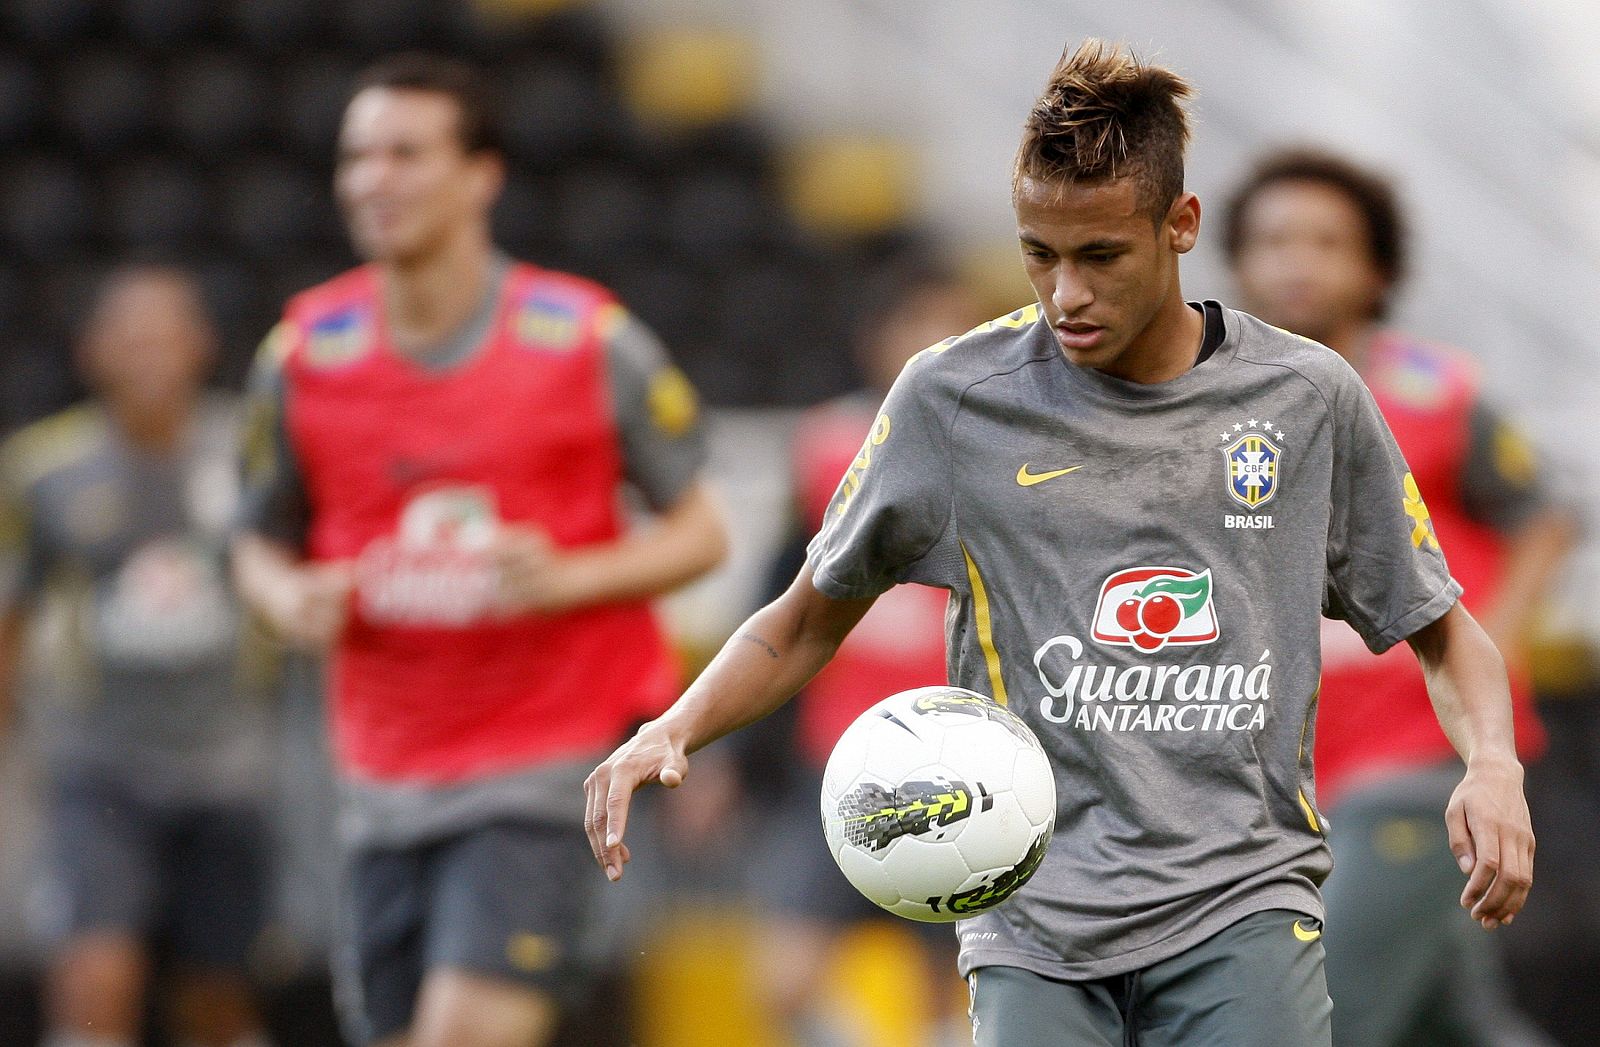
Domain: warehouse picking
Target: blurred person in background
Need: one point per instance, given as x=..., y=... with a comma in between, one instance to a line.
x=1317, y=245
x=116, y=516
x=441, y=442
x=806, y=903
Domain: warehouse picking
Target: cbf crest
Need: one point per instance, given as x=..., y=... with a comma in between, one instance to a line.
x=1253, y=453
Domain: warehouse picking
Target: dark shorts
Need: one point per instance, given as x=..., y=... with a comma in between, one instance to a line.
x=190, y=877
x=510, y=900
x=1406, y=964
x=1258, y=983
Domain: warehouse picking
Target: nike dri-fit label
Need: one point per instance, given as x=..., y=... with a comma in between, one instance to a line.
x=1167, y=661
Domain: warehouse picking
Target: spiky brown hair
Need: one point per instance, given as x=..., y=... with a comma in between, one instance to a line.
x=1106, y=115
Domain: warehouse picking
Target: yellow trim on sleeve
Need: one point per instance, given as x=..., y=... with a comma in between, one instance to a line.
x=980, y=607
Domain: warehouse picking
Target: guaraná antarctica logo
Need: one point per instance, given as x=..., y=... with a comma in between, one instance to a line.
x=1150, y=609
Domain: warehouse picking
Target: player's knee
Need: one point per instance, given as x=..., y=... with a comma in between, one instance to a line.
x=466, y=1010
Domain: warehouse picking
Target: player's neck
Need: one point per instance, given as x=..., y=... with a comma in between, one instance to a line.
x=428, y=299
x=156, y=430
x=1168, y=346
x=1353, y=341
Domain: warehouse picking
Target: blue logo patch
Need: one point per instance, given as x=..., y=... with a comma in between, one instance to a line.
x=1254, y=464
x=338, y=338
x=548, y=324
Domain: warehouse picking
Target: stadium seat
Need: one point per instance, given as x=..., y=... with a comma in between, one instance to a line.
x=559, y=112
x=156, y=202
x=524, y=221
x=687, y=77
x=714, y=214
x=39, y=379
x=667, y=295
x=602, y=212
x=14, y=297
x=849, y=186
x=21, y=99
x=46, y=205
x=106, y=100
x=53, y=22
x=231, y=290
x=214, y=102
x=274, y=25
x=165, y=22
x=271, y=208
x=393, y=25
x=310, y=97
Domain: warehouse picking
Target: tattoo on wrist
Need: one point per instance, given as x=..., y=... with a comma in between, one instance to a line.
x=772, y=652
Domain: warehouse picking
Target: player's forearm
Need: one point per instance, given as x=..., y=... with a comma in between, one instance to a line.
x=771, y=656
x=263, y=572
x=1535, y=553
x=676, y=548
x=1467, y=682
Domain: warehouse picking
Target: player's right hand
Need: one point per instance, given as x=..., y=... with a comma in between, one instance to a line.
x=313, y=604
x=651, y=755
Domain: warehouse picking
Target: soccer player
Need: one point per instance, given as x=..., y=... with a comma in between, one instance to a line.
x=1317, y=245
x=1140, y=506
x=444, y=438
x=807, y=902
x=117, y=514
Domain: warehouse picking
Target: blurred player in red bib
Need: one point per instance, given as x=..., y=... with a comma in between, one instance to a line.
x=806, y=901
x=441, y=449
x=1317, y=245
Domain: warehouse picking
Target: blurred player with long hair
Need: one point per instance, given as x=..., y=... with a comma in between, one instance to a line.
x=1317, y=244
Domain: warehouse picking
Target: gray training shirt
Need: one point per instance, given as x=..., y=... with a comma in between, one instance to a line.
x=123, y=552
x=1139, y=571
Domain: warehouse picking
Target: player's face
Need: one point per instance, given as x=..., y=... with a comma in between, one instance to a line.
x=148, y=344
x=1305, y=263
x=1102, y=269
x=405, y=183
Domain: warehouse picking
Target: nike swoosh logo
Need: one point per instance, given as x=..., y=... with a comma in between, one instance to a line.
x=1027, y=479
x=1307, y=934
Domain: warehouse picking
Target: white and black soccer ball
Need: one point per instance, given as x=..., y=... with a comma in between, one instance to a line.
x=938, y=803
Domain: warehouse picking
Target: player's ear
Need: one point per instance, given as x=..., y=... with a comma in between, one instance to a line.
x=1181, y=227
x=489, y=172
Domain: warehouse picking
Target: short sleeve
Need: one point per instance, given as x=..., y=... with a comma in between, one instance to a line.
x=1500, y=485
x=886, y=520
x=1386, y=573
x=273, y=501
x=657, y=414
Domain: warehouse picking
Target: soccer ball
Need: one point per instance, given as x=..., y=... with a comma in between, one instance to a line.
x=938, y=803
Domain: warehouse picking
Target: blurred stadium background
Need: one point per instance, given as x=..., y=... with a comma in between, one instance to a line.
x=730, y=167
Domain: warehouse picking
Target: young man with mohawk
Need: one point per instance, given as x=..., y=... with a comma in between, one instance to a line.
x=1141, y=507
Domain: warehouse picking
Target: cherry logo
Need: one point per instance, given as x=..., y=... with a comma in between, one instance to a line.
x=1148, y=608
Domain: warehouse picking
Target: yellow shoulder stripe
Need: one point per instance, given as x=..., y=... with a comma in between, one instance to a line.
x=53, y=443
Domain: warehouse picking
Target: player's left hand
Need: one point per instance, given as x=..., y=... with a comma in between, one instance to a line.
x=534, y=575
x=1491, y=836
